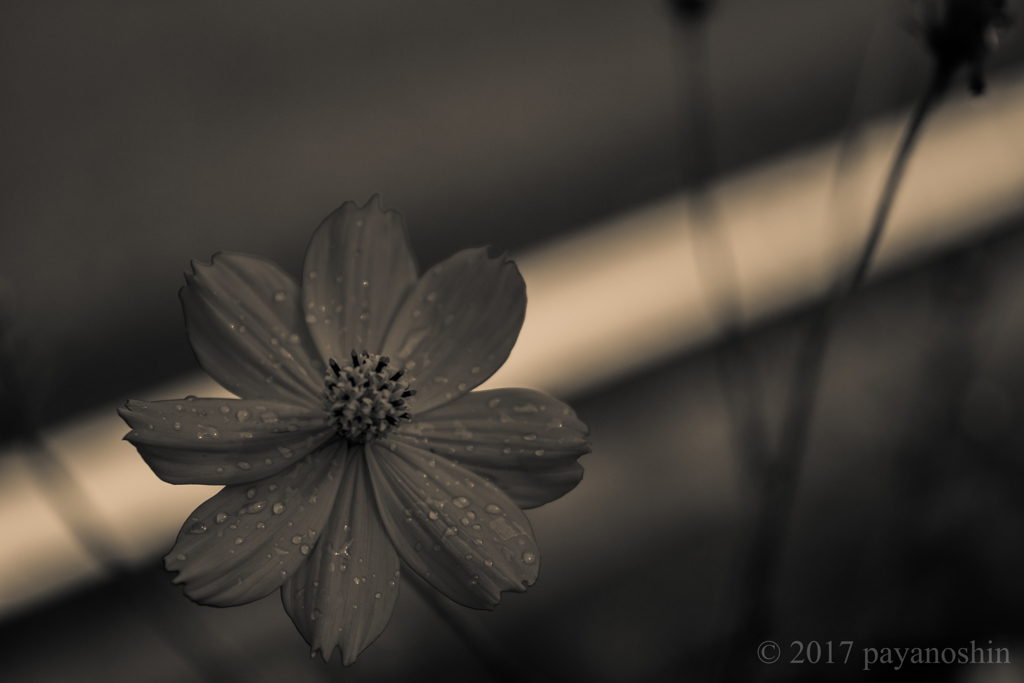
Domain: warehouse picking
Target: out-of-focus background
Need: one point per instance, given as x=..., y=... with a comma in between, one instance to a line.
x=139, y=136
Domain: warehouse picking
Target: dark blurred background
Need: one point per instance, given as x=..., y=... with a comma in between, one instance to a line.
x=139, y=136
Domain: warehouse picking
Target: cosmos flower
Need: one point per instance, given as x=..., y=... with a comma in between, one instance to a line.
x=358, y=438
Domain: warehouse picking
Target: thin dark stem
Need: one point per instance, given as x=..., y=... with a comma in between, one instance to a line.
x=498, y=663
x=778, y=495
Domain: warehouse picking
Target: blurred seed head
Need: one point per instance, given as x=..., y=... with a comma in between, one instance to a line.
x=690, y=10
x=963, y=33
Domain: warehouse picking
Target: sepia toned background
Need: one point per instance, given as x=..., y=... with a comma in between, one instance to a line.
x=139, y=136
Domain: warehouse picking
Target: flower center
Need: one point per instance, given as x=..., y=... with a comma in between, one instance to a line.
x=366, y=400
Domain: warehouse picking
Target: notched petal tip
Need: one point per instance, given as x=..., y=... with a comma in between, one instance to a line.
x=457, y=326
x=455, y=529
x=357, y=269
x=239, y=311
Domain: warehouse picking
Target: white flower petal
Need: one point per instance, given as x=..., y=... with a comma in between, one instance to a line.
x=455, y=529
x=244, y=321
x=457, y=327
x=244, y=542
x=345, y=594
x=223, y=441
x=358, y=268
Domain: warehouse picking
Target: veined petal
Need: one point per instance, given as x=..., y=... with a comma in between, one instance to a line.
x=457, y=326
x=248, y=539
x=345, y=594
x=454, y=528
x=245, y=323
x=358, y=268
x=223, y=441
x=525, y=441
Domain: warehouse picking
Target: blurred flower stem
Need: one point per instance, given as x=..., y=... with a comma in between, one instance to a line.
x=781, y=475
x=502, y=667
x=716, y=263
x=76, y=510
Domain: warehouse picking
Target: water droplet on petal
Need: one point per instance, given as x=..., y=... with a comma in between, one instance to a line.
x=180, y=557
x=239, y=540
x=525, y=408
x=529, y=437
x=197, y=528
x=177, y=426
x=269, y=417
x=529, y=558
x=488, y=563
x=222, y=517
x=475, y=369
x=493, y=509
x=304, y=549
x=286, y=452
x=204, y=431
x=256, y=507
x=461, y=502
x=310, y=318
x=432, y=514
x=250, y=494
x=279, y=296
x=296, y=540
x=451, y=531
x=225, y=409
x=539, y=451
x=243, y=465
x=242, y=415
x=314, y=615
x=278, y=508
x=245, y=435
